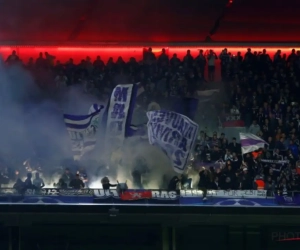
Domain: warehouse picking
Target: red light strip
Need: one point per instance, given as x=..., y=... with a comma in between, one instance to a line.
x=241, y=48
x=80, y=52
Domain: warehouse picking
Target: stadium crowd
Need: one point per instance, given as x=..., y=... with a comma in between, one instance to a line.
x=262, y=90
x=264, y=93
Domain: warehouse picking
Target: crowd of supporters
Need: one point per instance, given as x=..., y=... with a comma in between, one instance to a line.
x=227, y=169
x=67, y=180
x=262, y=90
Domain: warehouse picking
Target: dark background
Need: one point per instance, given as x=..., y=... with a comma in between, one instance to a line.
x=129, y=236
x=149, y=21
x=44, y=227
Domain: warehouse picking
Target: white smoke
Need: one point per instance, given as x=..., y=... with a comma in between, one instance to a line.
x=32, y=125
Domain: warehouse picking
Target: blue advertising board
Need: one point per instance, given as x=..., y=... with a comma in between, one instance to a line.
x=145, y=197
x=214, y=201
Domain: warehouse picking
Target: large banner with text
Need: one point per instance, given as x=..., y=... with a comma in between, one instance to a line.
x=174, y=134
x=146, y=197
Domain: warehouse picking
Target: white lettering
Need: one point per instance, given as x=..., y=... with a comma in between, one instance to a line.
x=172, y=195
x=174, y=133
x=117, y=114
x=101, y=193
x=185, y=193
x=191, y=193
x=196, y=192
x=30, y=191
x=164, y=195
x=52, y=191
x=226, y=194
x=155, y=194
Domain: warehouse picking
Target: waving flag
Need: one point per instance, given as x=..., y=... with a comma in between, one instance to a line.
x=119, y=115
x=174, y=134
x=82, y=130
x=251, y=142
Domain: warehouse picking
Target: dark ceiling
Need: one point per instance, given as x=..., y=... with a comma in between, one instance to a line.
x=66, y=21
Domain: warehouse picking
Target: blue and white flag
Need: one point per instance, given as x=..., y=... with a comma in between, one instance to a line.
x=119, y=115
x=173, y=133
x=82, y=130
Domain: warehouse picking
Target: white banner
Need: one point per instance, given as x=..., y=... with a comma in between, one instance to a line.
x=225, y=194
x=117, y=115
x=174, y=133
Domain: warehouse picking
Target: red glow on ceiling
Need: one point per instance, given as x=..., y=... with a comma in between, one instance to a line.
x=229, y=3
x=78, y=53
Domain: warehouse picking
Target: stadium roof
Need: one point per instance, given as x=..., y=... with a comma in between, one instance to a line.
x=96, y=21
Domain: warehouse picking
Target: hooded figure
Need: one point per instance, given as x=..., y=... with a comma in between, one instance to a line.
x=106, y=183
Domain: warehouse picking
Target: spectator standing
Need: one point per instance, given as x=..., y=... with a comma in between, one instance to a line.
x=76, y=183
x=38, y=182
x=204, y=182
x=211, y=61
x=67, y=176
x=106, y=185
x=13, y=58
x=254, y=128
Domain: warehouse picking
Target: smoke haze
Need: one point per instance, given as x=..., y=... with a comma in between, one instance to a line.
x=32, y=125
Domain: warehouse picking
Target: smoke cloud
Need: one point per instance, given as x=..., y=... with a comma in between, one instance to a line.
x=32, y=126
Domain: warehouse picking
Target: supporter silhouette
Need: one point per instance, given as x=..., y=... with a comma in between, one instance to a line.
x=20, y=186
x=67, y=176
x=247, y=181
x=215, y=184
x=163, y=59
x=284, y=188
x=76, y=183
x=38, y=182
x=234, y=146
x=61, y=184
x=185, y=181
x=106, y=185
x=13, y=58
x=211, y=61
x=173, y=184
x=28, y=181
x=270, y=185
x=204, y=182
